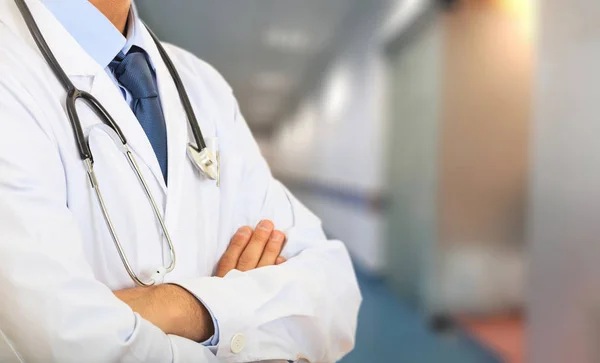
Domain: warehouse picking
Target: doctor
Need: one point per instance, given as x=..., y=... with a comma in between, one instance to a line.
x=186, y=281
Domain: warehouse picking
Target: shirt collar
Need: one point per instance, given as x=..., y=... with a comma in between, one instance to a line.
x=134, y=35
x=93, y=31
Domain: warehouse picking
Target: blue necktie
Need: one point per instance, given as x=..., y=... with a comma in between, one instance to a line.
x=134, y=73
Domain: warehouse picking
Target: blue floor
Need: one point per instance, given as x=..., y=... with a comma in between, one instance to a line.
x=391, y=332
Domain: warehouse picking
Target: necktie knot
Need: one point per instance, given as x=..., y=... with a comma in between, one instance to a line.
x=134, y=73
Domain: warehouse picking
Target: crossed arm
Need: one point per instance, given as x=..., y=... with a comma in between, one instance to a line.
x=175, y=311
x=53, y=307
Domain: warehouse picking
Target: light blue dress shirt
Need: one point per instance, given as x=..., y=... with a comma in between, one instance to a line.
x=102, y=41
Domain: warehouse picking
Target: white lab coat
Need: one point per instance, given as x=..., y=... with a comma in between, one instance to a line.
x=58, y=263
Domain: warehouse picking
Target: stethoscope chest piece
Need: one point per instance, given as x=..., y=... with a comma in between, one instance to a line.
x=204, y=160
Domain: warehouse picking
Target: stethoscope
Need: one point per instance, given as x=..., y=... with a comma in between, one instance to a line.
x=201, y=157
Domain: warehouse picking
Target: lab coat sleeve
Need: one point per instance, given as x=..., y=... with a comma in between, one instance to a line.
x=52, y=309
x=304, y=308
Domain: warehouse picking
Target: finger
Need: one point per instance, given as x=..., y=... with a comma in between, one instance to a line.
x=249, y=258
x=272, y=249
x=280, y=260
x=236, y=247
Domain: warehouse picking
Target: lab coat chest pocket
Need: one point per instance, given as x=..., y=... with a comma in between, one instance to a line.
x=193, y=219
x=229, y=190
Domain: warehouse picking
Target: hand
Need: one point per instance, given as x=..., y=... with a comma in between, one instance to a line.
x=252, y=249
x=172, y=309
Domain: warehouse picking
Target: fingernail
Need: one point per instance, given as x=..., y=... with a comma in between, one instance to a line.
x=244, y=231
x=265, y=225
x=278, y=237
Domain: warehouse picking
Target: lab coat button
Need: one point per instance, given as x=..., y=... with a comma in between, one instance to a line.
x=238, y=342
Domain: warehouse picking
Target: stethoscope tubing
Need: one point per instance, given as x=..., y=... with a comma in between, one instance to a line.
x=112, y=128
x=73, y=94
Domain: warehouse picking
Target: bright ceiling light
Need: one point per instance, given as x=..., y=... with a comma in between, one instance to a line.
x=523, y=11
x=337, y=94
x=294, y=41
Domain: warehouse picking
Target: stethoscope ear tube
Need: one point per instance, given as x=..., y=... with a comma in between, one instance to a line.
x=84, y=150
x=185, y=101
x=72, y=92
x=43, y=46
x=202, y=158
x=99, y=110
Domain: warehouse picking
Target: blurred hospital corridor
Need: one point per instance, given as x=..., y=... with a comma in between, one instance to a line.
x=451, y=145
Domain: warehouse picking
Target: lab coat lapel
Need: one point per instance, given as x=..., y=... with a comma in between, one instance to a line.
x=111, y=98
x=87, y=75
x=182, y=175
x=177, y=129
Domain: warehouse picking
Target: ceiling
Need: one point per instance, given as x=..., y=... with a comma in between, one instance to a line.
x=266, y=49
